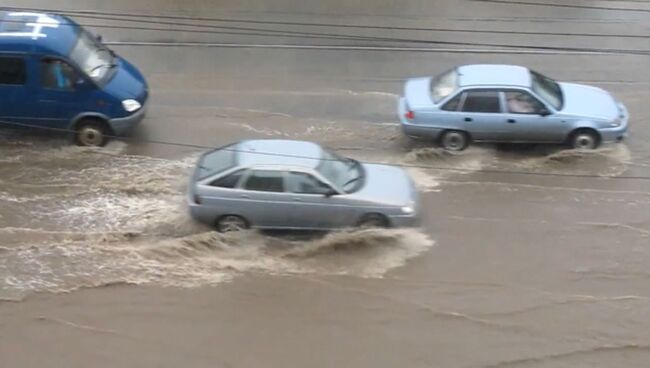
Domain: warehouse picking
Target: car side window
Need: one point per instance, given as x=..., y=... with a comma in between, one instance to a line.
x=452, y=105
x=265, y=181
x=520, y=102
x=13, y=71
x=482, y=101
x=56, y=74
x=302, y=183
x=228, y=181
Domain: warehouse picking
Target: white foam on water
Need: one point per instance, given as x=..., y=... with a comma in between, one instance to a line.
x=207, y=258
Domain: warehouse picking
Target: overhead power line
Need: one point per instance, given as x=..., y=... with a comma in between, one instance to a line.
x=285, y=33
x=415, y=166
x=574, y=6
x=321, y=24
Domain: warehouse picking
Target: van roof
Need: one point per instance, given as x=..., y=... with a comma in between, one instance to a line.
x=22, y=31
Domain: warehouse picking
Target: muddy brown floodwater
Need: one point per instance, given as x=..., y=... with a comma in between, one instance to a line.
x=101, y=266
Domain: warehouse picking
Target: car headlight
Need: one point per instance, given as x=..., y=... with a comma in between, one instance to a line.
x=408, y=210
x=131, y=105
x=615, y=123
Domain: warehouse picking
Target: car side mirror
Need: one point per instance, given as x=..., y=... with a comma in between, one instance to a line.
x=331, y=193
x=99, y=38
x=544, y=112
x=81, y=82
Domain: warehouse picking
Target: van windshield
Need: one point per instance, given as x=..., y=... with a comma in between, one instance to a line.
x=95, y=59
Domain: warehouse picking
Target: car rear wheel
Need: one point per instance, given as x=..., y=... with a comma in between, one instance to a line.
x=231, y=223
x=585, y=140
x=373, y=220
x=454, y=140
x=91, y=133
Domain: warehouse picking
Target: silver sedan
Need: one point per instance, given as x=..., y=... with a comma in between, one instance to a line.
x=283, y=184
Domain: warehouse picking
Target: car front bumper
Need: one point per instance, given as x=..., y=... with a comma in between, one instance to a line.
x=404, y=220
x=616, y=134
x=123, y=126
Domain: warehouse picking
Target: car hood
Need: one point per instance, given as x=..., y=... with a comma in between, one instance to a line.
x=588, y=102
x=127, y=83
x=418, y=93
x=387, y=185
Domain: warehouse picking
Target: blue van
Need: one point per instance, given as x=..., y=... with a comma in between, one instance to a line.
x=55, y=75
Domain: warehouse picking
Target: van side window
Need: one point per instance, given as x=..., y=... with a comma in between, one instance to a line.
x=56, y=74
x=13, y=71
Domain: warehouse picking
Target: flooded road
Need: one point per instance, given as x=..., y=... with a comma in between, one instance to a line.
x=527, y=257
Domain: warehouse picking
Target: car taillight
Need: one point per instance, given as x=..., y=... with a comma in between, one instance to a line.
x=197, y=199
x=409, y=115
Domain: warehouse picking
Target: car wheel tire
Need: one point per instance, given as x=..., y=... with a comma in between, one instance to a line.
x=91, y=133
x=373, y=220
x=454, y=140
x=585, y=140
x=231, y=223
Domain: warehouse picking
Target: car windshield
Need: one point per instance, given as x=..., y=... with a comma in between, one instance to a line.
x=345, y=173
x=444, y=85
x=215, y=162
x=548, y=89
x=95, y=59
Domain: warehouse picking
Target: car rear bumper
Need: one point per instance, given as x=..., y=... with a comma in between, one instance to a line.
x=123, y=126
x=416, y=131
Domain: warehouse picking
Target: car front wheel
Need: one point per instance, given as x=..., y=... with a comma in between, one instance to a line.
x=231, y=223
x=454, y=140
x=585, y=140
x=373, y=220
x=91, y=133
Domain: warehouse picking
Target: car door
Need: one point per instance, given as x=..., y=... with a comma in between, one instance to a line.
x=527, y=119
x=482, y=115
x=14, y=89
x=58, y=96
x=448, y=116
x=263, y=199
x=315, y=204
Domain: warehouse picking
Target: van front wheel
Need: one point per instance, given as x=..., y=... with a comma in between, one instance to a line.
x=91, y=133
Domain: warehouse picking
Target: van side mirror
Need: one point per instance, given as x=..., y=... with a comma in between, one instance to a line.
x=80, y=82
x=544, y=111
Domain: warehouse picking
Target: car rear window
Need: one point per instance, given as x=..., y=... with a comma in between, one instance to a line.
x=216, y=161
x=444, y=85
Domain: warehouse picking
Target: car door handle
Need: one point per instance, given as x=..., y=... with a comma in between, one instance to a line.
x=48, y=101
x=512, y=121
x=468, y=119
x=245, y=196
x=297, y=200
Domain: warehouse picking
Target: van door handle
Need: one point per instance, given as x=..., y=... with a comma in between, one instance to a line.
x=468, y=119
x=511, y=121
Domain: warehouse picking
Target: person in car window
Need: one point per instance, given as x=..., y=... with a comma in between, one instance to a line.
x=520, y=103
x=57, y=74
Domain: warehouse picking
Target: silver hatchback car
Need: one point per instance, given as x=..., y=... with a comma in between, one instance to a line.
x=283, y=184
x=508, y=103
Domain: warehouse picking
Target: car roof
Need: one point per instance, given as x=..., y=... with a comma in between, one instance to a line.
x=22, y=31
x=493, y=75
x=278, y=152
